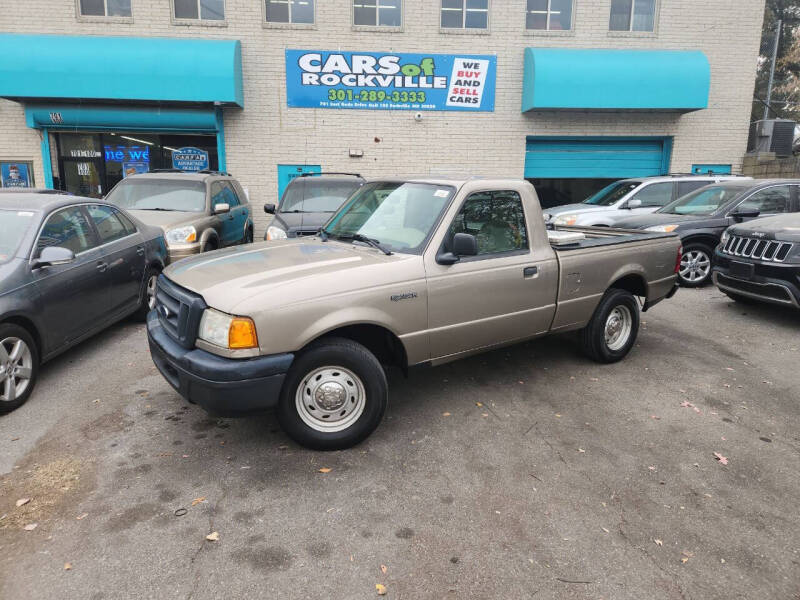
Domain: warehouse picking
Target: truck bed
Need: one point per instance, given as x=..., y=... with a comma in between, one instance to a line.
x=605, y=236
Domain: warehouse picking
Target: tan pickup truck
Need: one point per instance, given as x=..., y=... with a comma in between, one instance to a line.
x=409, y=272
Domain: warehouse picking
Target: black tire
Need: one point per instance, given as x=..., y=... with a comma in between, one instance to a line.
x=147, y=297
x=593, y=336
x=337, y=353
x=7, y=331
x=685, y=276
x=248, y=236
x=209, y=245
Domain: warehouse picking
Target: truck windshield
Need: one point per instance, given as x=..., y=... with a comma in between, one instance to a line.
x=314, y=195
x=14, y=224
x=705, y=201
x=399, y=215
x=160, y=194
x=611, y=193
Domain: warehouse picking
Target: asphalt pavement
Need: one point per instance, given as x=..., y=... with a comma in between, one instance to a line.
x=528, y=472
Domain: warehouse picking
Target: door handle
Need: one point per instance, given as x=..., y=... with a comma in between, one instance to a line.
x=102, y=266
x=530, y=272
x=140, y=251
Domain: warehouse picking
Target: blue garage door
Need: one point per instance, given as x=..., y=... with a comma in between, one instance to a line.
x=598, y=158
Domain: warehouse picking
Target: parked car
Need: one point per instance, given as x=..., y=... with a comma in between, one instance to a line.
x=308, y=202
x=198, y=212
x=700, y=218
x=760, y=261
x=69, y=267
x=630, y=197
x=408, y=273
x=13, y=190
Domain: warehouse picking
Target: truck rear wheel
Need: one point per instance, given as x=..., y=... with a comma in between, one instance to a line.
x=611, y=333
x=334, y=395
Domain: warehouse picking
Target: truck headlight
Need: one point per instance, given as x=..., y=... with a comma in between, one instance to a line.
x=662, y=228
x=227, y=331
x=275, y=233
x=565, y=220
x=181, y=235
x=725, y=237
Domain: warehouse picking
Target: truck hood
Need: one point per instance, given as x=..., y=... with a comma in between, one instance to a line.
x=166, y=219
x=285, y=271
x=784, y=228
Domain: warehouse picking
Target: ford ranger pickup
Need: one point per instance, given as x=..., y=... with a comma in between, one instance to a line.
x=409, y=272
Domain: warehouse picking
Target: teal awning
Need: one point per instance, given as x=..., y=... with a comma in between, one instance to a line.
x=121, y=68
x=651, y=80
x=99, y=117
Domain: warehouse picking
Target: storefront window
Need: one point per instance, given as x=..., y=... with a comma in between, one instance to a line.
x=90, y=164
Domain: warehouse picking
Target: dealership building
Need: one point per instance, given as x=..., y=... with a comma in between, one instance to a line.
x=569, y=94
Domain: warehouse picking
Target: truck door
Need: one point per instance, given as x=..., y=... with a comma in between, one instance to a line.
x=505, y=293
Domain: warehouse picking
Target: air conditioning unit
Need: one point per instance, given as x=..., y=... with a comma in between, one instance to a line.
x=772, y=135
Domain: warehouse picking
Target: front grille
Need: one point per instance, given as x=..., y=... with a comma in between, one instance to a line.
x=303, y=232
x=766, y=250
x=768, y=290
x=179, y=311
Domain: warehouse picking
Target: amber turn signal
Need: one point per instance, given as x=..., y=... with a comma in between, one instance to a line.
x=242, y=334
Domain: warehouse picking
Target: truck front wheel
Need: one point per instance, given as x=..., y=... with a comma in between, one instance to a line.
x=334, y=395
x=611, y=333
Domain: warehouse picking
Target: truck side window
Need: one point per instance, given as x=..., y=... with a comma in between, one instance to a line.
x=496, y=219
x=222, y=193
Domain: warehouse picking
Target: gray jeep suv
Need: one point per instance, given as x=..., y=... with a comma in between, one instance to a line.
x=198, y=211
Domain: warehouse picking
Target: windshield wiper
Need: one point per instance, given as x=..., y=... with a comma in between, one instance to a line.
x=162, y=209
x=359, y=237
x=372, y=242
x=323, y=234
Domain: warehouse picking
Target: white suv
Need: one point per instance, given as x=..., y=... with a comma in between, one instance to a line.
x=629, y=197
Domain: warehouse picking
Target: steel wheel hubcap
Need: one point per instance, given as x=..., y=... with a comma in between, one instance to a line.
x=695, y=265
x=619, y=325
x=151, y=292
x=330, y=399
x=16, y=368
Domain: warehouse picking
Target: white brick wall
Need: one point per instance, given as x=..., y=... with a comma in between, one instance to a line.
x=267, y=133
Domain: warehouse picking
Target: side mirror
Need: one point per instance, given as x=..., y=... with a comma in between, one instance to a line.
x=464, y=244
x=745, y=213
x=634, y=203
x=269, y=209
x=53, y=256
x=222, y=208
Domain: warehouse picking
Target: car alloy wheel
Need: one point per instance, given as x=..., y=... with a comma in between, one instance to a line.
x=151, y=291
x=695, y=266
x=16, y=368
x=330, y=399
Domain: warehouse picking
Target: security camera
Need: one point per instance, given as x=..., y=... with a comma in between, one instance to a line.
x=418, y=116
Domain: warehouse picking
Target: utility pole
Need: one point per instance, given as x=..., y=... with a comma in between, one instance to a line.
x=772, y=68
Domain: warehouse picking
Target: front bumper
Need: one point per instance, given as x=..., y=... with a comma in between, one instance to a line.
x=776, y=283
x=223, y=386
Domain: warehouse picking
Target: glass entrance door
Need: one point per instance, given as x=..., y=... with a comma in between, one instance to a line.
x=81, y=177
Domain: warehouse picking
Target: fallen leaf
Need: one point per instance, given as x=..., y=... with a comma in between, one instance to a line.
x=22, y=502
x=384, y=569
x=484, y=414
x=445, y=414
x=684, y=559
x=197, y=501
x=652, y=467
x=478, y=404
x=68, y=566
x=185, y=456
x=558, y=416
x=721, y=458
x=659, y=542
x=30, y=526
x=655, y=417
x=82, y=516
x=213, y=536
x=581, y=450
x=325, y=470
x=381, y=589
